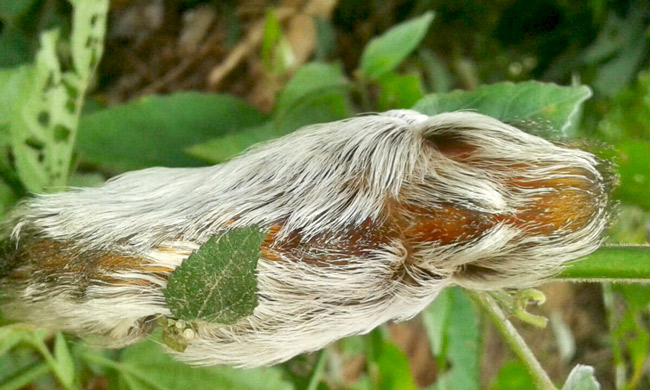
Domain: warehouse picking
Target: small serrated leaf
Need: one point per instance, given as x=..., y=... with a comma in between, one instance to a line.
x=217, y=282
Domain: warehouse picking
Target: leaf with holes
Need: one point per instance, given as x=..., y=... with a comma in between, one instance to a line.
x=45, y=114
x=217, y=282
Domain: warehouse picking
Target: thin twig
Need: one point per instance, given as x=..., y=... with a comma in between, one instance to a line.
x=317, y=374
x=244, y=48
x=514, y=340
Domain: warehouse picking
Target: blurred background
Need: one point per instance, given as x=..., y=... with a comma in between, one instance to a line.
x=252, y=49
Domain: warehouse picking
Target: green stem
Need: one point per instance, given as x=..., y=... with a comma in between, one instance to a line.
x=26, y=377
x=317, y=374
x=615, y=263
x=514, y=340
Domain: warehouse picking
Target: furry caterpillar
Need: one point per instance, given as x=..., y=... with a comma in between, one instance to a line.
x=369, y=218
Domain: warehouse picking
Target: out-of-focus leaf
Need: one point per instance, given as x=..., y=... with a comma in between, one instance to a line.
x=11, y=9
x=64, y=361
x=551, y=107
x=513, y=375
x=399, y=91
x=634, y=170
x=386, y=52
x=566, y=342
x=310, y=80
x=393, y=369
x=632, y=226
x=14, y=46
x=313, y=108
x=581, y=378
x=458, y=342
x=277, y=53
x=146, y=366
x=217, y=283
x=439, y=78
x=621, y=45
x=628, y=115
x=388, y=365
x=154, y=130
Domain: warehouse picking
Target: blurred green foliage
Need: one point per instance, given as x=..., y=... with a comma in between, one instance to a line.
x=600, y=43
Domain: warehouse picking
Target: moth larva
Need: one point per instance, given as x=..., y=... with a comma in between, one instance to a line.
x=368, y=219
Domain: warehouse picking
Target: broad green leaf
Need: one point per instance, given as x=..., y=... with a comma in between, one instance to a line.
x=548, y=105
x=45, y=114
x=399, y=91
x=386, y=52
x=513, y=375
x=314, y=108
x=154, y=130
x=217, y=283
x=146, y=366
x=310, y=80
x=456, y=337
x=631, y=263
x=581, y=378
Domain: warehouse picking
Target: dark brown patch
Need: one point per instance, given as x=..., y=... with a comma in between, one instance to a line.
x=451, y=145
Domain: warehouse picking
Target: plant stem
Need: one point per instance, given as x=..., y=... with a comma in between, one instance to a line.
x=317, y=374
x=514, y=340
x=615, y=263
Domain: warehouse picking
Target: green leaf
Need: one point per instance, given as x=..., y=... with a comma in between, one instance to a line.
x=581, y=378
x=439, y=78
x=634, y=170
x=64, y=361
x=154, y=130
x=386, y=52
x=399, y=91
x=393, y=368
x=330, y=105
x=628, y=115
x=45, y=114
x=388, y=366
x=625, y=263
x=146, y=366
x=217, y=283
x=454, y=333
x=312, y=79
x=546, y=104
x=617, y=52
x=513, y=375
x=277, y=53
